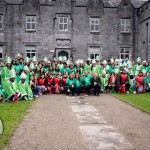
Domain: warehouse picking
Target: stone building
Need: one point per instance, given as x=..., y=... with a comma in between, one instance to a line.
x=75, y=28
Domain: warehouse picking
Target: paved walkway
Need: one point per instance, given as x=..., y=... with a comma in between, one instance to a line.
x=59, y=122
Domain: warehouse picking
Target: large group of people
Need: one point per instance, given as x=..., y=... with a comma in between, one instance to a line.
x=23, y=79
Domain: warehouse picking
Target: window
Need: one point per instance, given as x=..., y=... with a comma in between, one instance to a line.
x=94, y=24
x=1, y=52
x=63, y=23
x=30, y=51
x=30, y=23
x=1, y=22
x=125, y=25
x=125, y=53
x=94, y=51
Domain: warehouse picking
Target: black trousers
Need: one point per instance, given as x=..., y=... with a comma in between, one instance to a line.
x=97, y=88
x=88, y=88
x=72, y=89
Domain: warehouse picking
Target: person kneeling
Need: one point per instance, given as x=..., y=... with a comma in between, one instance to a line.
x=24, y=88
x=96, y=82
x=70, y=85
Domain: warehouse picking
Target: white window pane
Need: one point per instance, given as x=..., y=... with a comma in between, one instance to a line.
x=61, y=19
x=92, y=27
x=96, y=28
x=60, y=26
x=33, y=25
x=65, y=26
x=65, y=20
x=1, y=26
x=28, y=25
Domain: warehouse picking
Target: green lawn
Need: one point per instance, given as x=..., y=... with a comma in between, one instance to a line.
x=141, y=101
x=12, y=114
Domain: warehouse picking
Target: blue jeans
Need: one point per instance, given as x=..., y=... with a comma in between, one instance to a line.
x=36, y=90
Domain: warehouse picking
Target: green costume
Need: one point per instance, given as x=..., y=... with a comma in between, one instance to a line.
x=70, y=82
x=86, y=80
x=77, y=82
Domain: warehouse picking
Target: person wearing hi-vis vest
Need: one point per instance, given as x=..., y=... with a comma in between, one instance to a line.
x=11, y=87
x=24, y=88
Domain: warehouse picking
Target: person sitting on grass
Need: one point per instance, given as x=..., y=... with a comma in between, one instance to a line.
x=70, y=85
x=10, y=86
x=2, y=93
x=138, y=85
x=24, y=88
x=96, y=83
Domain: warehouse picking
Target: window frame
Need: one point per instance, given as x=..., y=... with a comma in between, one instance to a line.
x=124, y=53
x=63, y=23
x=2, y=21
x=31, y=17
x=125, y=26
x=95, y=53
x=2, y=51
x=30, y=49
x=94, y=24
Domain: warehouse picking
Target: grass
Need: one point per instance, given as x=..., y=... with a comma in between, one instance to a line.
x=141, y=101
x=12, y=114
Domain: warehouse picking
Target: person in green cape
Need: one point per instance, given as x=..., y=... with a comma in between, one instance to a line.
x=24, y=88
x=104, y=82
x=5, y=71
x=11, y=87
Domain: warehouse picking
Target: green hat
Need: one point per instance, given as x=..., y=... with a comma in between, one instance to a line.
x=112, y=60
x=124, y=64
x=116, y=60
x=64, y=58
x=31, y=66
x=139, y=59
x=23, y=76
x=104, y=62
x=97, y=58
x=60, y=58
x=68, y=62
x=26, y=68
x=93, y=61
x=88, y=59
x=8, y=60
x=34, y=58
x=27, y=59
x=81, y=61
x=12, y=73
x=45, y=59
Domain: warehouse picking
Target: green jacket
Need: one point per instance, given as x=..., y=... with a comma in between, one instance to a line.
x=86, y=80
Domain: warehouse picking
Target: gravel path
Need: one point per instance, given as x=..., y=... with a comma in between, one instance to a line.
x=51, y=124
x=133, y=124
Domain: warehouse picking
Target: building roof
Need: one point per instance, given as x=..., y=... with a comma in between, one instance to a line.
x=112, y=3
x=107, y=3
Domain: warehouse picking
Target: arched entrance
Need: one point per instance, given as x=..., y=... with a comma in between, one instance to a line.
x=63, y=53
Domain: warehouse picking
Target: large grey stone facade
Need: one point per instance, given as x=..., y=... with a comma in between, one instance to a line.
x=77, y=41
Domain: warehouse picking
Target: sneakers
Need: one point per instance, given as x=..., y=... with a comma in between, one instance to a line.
x=134, y=92
x=127, y=92
x=36, y=96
